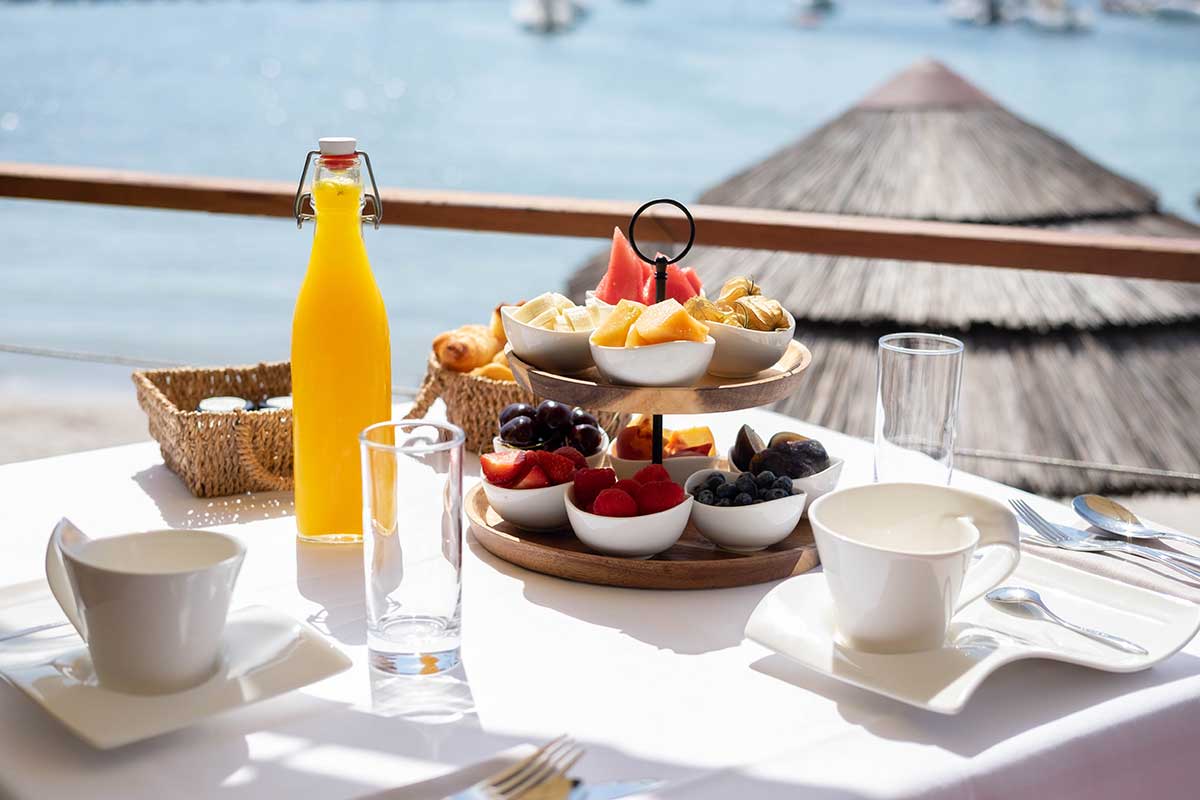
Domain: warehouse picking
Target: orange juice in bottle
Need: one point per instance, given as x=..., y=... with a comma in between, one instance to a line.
x=341, y=354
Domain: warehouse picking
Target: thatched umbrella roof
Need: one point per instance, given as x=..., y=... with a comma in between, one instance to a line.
x=1060, y=367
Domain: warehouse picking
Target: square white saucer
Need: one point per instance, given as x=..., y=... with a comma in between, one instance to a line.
x=796, y=620
x=266, y=653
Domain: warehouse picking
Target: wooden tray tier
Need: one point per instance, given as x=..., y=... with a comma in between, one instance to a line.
x=589, y=390
x=691, y=563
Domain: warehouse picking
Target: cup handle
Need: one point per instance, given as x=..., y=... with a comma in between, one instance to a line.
x=999, y=538
x=56, y=572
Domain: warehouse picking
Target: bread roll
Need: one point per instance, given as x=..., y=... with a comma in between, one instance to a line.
x=465, y=348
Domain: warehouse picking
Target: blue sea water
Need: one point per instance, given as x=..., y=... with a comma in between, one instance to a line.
x=643, y=99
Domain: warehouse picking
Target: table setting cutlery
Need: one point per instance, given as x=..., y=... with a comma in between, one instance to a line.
x=1030, y=603
x=1109, y=515
x=1068, y=538
x=546, y=766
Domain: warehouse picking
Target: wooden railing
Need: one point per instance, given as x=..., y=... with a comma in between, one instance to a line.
x=868, y=237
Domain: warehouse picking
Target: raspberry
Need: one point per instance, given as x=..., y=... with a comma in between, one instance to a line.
x=615, y=503
x=628, y=487
x=658, y=496
x=652, y=473
x=590, y=482
x=576, y=457
x=559, y=469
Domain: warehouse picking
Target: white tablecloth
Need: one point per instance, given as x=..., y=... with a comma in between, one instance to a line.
x=655, y=684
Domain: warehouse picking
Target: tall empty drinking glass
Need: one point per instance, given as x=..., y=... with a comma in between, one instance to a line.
x=412, y=544
x=916, y=407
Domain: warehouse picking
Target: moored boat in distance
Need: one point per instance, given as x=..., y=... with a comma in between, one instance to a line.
x=547, y=16
x=1178, y=10
x=1056, y=16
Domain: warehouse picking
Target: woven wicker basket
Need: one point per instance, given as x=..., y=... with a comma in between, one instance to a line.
x=220, y=453
x=224, y=453
x=474, y=403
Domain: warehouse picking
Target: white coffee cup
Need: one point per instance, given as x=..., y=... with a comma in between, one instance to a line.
x=898, y=560
x=151, y=606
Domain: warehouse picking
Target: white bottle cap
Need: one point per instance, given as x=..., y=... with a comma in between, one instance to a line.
x=338, y=145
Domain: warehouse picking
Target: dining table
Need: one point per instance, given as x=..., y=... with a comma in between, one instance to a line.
x=653, y=684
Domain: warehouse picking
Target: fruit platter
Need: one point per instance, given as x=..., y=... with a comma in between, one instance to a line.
x=650, y=507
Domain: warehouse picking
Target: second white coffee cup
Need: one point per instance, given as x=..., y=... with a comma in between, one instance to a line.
x=151, y=606
x=898, y=560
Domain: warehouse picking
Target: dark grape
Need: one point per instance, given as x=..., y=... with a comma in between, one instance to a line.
x=555, y=440
x=516, y=410
x=585, y=438
x=765, y=479
x=581, y=417
x=517, y=431
x=552, y=415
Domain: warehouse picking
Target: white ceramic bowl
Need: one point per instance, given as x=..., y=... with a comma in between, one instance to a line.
x=531, y=509
x=814, y=486
x=666, y=364
x=595, y=460
x=741, y=353
x=746, y=529
x=629, y=537
x=555, y=351
x=679, y=468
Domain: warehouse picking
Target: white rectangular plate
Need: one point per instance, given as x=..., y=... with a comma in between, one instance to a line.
x=796, y=620
x=266, y=654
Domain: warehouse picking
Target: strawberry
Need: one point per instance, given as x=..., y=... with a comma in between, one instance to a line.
x=559, y=469
x=658, y=496
x=576, y=457
x=652, y=474
x=590, y=482
x=627, y=486
x=534, y=478
x=615, y=503
x=505, y=467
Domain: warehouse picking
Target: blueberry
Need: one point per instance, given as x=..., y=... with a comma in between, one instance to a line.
x=745, y=483
x=743, y=499
x=783, y=482
x=759, y=500
x=775, y=494
x=724, y=501
x=517, y=431
x=714, y=481
x=705, y=497
x=726, y=491
x=765, y=479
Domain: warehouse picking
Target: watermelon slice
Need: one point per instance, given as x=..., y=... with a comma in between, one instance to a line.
x=693, y=278
x=625, y=276
x=678, y=287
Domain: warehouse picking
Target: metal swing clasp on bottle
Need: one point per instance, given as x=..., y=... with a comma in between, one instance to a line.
x=337, y=151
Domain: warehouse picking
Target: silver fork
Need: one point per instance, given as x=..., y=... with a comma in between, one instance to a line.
x=553, y=758
x=1082, y=541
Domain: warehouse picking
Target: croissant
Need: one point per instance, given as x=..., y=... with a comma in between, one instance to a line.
x=465, y=348
x=495, y=371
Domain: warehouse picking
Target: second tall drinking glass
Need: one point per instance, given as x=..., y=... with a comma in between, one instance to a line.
x=412, y=544
x=916, y=407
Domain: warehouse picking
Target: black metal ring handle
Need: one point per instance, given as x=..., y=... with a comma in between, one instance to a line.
x=691, y=224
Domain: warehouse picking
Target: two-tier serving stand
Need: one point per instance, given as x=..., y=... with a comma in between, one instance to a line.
x=693, y=562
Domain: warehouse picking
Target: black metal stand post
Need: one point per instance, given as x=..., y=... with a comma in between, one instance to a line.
x=660, y=263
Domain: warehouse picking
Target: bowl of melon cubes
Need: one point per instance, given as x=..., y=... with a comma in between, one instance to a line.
x=651, y=345
x=551, y=332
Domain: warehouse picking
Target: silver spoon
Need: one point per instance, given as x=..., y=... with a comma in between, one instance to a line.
x=1029, y=602
x=1109, y=515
